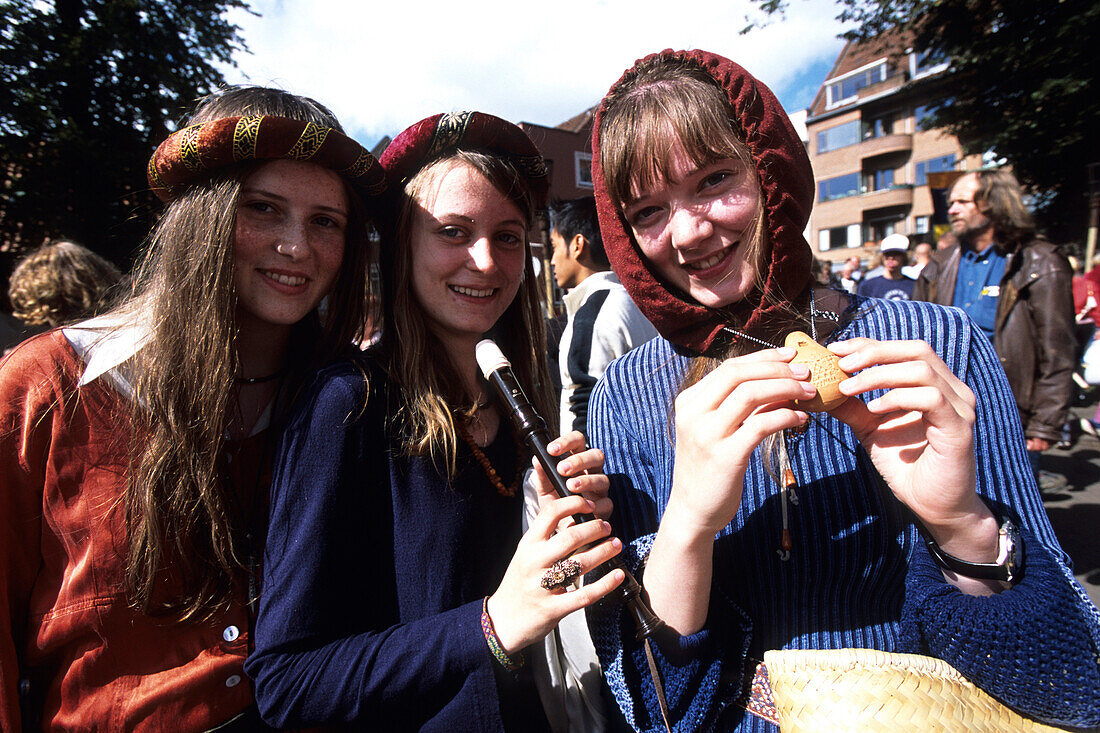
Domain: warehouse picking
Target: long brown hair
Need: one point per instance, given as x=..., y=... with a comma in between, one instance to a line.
x=179, y=517
x=432, y=390
x=1002, y=198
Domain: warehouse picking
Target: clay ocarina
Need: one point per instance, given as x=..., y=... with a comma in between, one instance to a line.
x=825, y=373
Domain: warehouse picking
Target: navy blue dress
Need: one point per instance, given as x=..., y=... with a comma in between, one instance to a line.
x=375, y=570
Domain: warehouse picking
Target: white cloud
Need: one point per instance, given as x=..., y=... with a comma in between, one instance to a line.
x=382, y=66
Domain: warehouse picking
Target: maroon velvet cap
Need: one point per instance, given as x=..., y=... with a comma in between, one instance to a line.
x=190, y=154
x=787, y=189
x=439, y=134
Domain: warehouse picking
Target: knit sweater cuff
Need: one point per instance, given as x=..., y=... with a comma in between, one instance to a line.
x=1029, y=646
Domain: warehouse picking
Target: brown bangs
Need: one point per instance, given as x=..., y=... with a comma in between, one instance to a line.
x=663, y=103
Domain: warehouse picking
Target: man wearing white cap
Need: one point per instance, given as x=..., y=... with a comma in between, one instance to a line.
x=893, y=284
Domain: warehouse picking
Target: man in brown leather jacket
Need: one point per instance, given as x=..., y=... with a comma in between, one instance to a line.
x=1017, y=288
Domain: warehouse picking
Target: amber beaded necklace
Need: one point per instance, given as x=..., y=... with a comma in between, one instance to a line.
x=486, y=466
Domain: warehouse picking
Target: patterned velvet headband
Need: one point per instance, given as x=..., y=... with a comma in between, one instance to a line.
x=434, y=136
x=194, y=152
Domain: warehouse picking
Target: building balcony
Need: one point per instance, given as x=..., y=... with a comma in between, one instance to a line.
x=900, y=194
x=886, y=144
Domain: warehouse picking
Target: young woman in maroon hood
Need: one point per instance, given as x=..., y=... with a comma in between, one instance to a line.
x=895, y=529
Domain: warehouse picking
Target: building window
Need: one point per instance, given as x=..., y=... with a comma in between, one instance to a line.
x=923, y=63
x=879, y=180
x=838, y=188
x=846, y=88
x=582, y=168
x=837, y=238
x=838, y=137
x=935, y=165
x=879, y=229
x=922, y=114
x=920, y=224
x=878, y=127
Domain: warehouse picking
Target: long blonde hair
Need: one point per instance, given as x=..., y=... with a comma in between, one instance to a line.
x=179, y=514
x=432, y=390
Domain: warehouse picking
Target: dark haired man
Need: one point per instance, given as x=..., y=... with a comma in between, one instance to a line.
x=603, y=322
x=1016, y=287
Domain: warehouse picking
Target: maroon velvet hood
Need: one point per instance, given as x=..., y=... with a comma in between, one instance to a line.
x=787, y=189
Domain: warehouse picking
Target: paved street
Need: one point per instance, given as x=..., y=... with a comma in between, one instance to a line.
x=1075, y=512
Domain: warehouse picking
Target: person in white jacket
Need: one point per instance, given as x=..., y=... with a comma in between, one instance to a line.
x=602, y=321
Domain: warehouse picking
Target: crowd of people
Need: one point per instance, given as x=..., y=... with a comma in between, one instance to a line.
x=231, y=503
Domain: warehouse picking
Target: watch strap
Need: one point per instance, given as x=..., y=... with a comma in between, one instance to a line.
x=1007, y=567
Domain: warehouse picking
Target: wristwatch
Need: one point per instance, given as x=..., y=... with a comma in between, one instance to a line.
x=1008, y=566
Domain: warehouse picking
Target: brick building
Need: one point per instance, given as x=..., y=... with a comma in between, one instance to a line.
x=567, y=149
x=871, y=158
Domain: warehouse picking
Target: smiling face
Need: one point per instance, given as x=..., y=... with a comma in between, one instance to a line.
x=468, y=247
x=289, y=238
x=697, y=227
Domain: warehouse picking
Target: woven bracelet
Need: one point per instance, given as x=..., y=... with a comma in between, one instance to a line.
x=513, y=663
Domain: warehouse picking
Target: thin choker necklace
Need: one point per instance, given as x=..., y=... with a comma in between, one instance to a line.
x=486, y=466
x=260, y=380
x=814, y=315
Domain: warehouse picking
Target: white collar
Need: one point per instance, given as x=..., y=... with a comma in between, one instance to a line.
x=576, y=296
x=105, y=343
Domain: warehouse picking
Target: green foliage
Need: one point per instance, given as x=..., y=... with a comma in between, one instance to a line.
x=1021, y=84
x=87, y=90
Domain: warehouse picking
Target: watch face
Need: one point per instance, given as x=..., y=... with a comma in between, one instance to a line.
x=1010, y=557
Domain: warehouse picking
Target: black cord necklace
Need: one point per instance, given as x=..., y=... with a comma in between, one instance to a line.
x=260, y=380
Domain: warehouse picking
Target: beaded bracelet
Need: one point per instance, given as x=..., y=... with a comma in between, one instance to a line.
x=512, y=664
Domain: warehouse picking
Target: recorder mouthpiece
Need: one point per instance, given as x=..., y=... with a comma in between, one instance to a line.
x=490, y=357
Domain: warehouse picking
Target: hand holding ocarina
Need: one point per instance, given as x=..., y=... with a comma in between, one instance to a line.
x=825, y=374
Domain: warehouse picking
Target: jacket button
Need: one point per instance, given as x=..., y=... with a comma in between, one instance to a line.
x=231, y=633
x=233, y=680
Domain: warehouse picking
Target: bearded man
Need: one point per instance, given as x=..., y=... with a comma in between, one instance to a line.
x=1016, y=287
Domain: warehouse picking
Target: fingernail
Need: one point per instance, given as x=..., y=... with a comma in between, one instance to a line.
x=800, y=371
x=787, y=352
x=565, y=467
x=591, y=504
x=553, y=446
x=846, y=362
x=573, y=484
x=808, y=388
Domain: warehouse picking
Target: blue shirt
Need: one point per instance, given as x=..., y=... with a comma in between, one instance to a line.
x=884, y=287
x=979, y=285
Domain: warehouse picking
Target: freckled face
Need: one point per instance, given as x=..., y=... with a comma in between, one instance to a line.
x=289, y=238
x=469, y=245
x=696, y=227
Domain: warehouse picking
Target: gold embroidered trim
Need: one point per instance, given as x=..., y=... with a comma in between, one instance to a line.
x=245, y=136
x=309, y=142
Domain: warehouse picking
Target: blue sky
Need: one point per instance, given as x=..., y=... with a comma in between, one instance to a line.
x=383, y=66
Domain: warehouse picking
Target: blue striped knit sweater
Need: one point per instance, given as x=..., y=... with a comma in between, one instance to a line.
x=858, y=576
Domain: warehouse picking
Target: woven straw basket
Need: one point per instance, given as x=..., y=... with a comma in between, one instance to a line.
x=868, y=690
